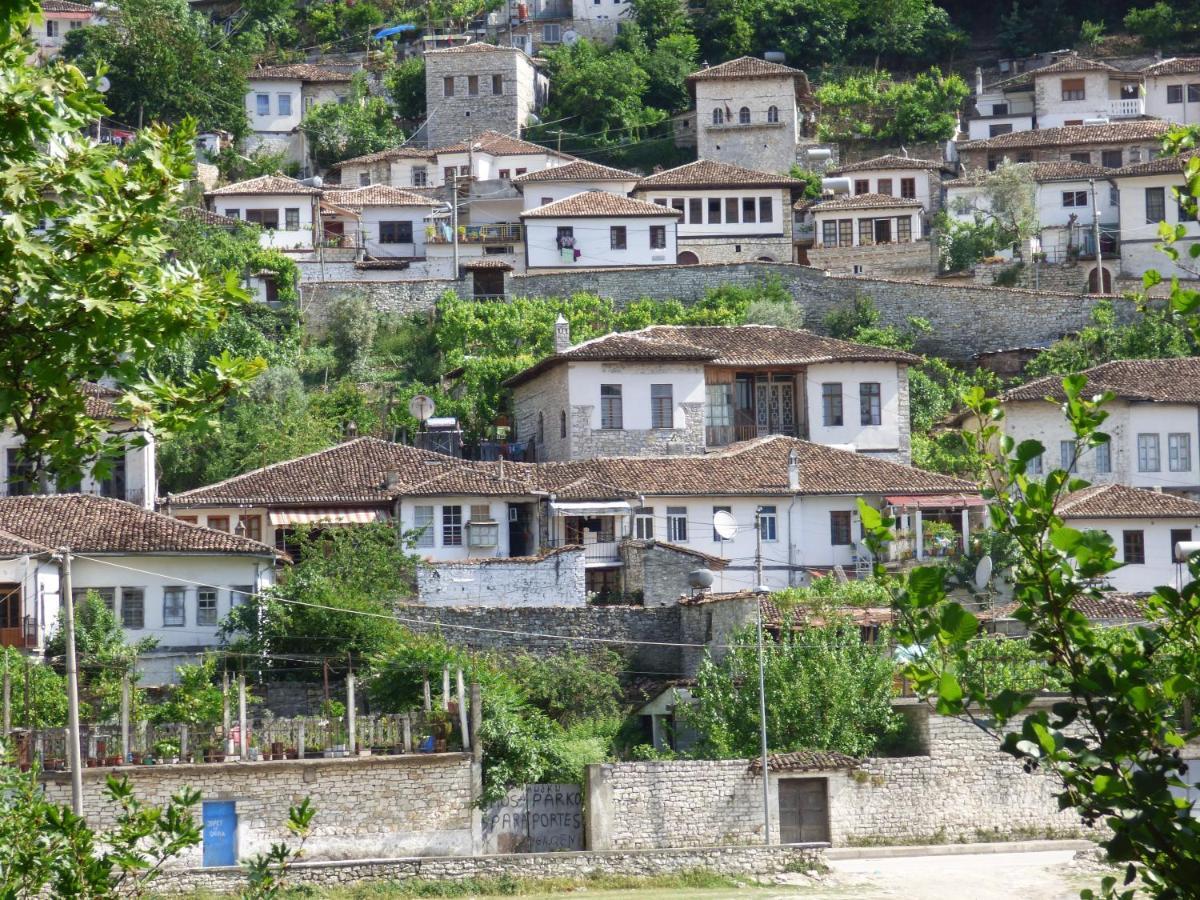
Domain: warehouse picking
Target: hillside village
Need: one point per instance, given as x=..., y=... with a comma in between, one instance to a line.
x=570, y=441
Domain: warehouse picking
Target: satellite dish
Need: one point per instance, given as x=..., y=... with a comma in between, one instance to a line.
x=724, y=524
x=570, y=36
x=103, y=84
x=983, y=574
x=699, y=579
x=420, y=407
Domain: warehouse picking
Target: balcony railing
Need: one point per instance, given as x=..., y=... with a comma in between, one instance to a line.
x=1128, y=108
x=721, y=435
x=501, y=233
x=601, y=553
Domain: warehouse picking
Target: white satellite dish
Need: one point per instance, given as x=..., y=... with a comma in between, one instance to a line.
x=421, y=407
x=569, y=37
x=983, y=574
x=724, y=524
x=103, y=84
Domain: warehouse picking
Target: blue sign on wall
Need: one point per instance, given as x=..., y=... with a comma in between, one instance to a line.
x=220, y=833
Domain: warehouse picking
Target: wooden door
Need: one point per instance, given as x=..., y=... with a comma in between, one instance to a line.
x=803, y=810
x=12, y=625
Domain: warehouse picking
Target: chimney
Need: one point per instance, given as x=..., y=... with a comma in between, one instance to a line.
x=978, y=81
x=793, y=470
x=562, y=334
x=391, y=480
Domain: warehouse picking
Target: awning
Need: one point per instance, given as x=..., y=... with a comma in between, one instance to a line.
x=936, y=501
x=616, y=508
x=393, y=29
x=326, y=516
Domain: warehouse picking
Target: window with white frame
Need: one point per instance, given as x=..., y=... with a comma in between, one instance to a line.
x=240, y=594
x=174, y=610
x=291, y=219
x=452, y=526
x=1147, y=448
x=662, y=406
x=870, y=402
x=51, y=28
x=423, y=525
x=284, y=102
x=133, y=607
x=1179, y=452
x=718, y=406
x=767, y=523
x=206, y=606
x=610, y=407
x=482, y=530
x=643, y=523
x=1103, y=459
x=1078, y=199
x=420, y=176
x=1034, y=466
x=677, y=525
x=1066, y=456
x=262, y=104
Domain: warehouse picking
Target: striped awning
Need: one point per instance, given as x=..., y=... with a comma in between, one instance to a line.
x=615, y=508
x=936, y=501
x=326, y=516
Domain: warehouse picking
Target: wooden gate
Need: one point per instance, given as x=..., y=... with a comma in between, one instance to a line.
x=803, y=810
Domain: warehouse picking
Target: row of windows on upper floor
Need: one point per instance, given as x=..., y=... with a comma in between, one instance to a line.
x=419, y=175
x=1109, y=159
x=677, y=520
x=908, y=187
x=731, y=209
x=1149, y=456
x=449, y=88
x=131, y=608
x=724, y=116
x=283, y=104
x=22, y=478
x=480, y=530
x=54, y=26
x=1075, y=89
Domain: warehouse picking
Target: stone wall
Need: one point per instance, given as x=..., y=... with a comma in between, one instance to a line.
x=965, y=789
x=412, y=805
x=1064, y=278
x=463, y=116
x=556, y=579
x=592, y=443
x=659, y=571
x=735, y=249
x=555, y=629
x=736, y=861
x=915, y=259
x=399, y=297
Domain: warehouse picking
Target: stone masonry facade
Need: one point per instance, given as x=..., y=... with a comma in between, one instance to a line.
x=556, y=579
x=963, y=789
x=410, y=805
x=912, y=260
x=464, y=114
x=736, y=249
x=734, y=861
x=592, y=443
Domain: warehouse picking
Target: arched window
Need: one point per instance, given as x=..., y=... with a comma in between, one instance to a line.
x=773, y=114
x=718, y=116
x=562, y=423
x=744, y=115
x=541, y=429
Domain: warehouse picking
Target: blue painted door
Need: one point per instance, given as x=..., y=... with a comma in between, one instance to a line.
x=220, y=833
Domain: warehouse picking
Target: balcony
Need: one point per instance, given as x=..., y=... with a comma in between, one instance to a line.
x=723, y=435
x=1129, y=108
x=601, y=553
x=499, y=233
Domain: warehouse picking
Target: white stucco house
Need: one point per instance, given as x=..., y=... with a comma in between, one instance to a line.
x=727, y=213
x=380, y=222
x=163, y=579
x=132, y=473
x=59, y=18
x=598, y=228
x=277, y=99
x=1172, y=89
x=544, y=186
x=861, y=220
x=1147, y=199
x=286, y=210
x=895, y=176
x=1152, y=424
x=1144, y=526
x=688, y=389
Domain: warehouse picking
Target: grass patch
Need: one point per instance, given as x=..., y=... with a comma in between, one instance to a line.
x=511, y=886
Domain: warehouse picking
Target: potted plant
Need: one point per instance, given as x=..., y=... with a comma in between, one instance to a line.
x=940, y=538
x=439, y=725
x=277, y=751
x=253, y=751
x=166, y=750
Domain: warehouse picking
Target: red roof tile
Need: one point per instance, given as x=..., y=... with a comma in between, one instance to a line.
x=1117, y=501
x=1150, y=380
x=265, y=184
x=1138, y=130
x=599, y=204
x=744, y=67
x=710, y=173
x=888, y=161
x=578, y=170
x=376, y=195
x=298, y=72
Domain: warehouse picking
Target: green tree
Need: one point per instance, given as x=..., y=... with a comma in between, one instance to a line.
x=1156, y=25
x=812, y=182
x=570, y=687
x=1031, y=25
x=660, y=19
x=405, y=83
x=902, y=29
x=195, y=699
x=166, y=63
x=363, y=124
x=92, y=298
x=826, y=690
x=47, y=692
x=352, y=326
x=877, y=106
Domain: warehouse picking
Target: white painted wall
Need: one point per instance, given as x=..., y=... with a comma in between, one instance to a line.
x=592, y=240
x=274, y=122
x=141, y=483
x=1185, y=112
x=886, y=435
x=1159, y=568
x=235, y=206
x=895, y=176
x=50, y=33
x=540, y=193
x=1139, y=236
x=780, y=211
x=585, y=378
x=38, y=578
x=1054, y=112
x=367, y=225
x=438, y=548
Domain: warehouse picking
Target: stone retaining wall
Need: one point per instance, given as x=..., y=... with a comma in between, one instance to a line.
x=735, y=861
x=556, y=579
x=389, y=297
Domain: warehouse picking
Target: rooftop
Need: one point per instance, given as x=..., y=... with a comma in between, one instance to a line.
x=265, y=184
x=1147, y=380
x=887, y=161
x=1160, y=165
x=805, y=761
x=298, y=72
x=376, y=195
x=1179, y=65
x=497, y=144
x=599, y=204
x=577, y=170
x=1074, y=135
x=1074, y=63
x=1116, y=501
x=89, y=524
x=1059, y=170
x=63, y=6
x=744, y=67
x=709, y=173
x=860, y=201
x=207, y=217
x=390, y=153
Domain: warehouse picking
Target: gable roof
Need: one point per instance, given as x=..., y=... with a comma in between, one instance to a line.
x=99, y=402
x=577, y=170
x=298, y=72
x=1073, y=135
x=859, y=201
x=1042, y=172
x=391, y=153
x=1072, y=62
x=64, y=6
x=1179, y=65
x=1147, y=380
x=89, y=524
x=497, y=144
x=599, y=204
x=265, y=184
x=887, y=161
x=207, y=217
x=474, y=47
x=1117, y=501
x=744, y=67
x=376, y=195
x=710, y=173
x=746, y=346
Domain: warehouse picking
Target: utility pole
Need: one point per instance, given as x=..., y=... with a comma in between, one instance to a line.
x=1096, y=237
x=760, y=591
x=73, y=754
x=454, y=219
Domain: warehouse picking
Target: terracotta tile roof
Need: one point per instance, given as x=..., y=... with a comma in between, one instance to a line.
x=744, y=67
x=390, y=153
x=749, y=468
x=265, y=184
x=710, y=173
x=1150, y=380
x=863, y=201
x=63, y=6
x=207, y=217
x=1179, y=65
x=298, y=72
x=99, y=401
x=578, y=170
x=357, y=472
x=775, y=617
x=720, y=345
x=805, y=761
x=497, y=144
x=888, y=161
x=1074, y=135
x=474, y=47
x=488, y=262
x=90, y=524
x=1058, y=170
x=1160, y=165
x=376, y=195
x=1111, y=606
x=1117, y=501
x=599, y=204
x=1073, y=63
